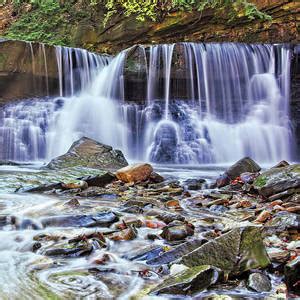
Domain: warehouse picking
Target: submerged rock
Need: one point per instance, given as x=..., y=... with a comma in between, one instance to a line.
x=239, y=250
x=259, y=282
x=176, y=253
x=90, y=153
x=188, y=282
x=194, y=184
x=102, y=219
x=277, y=180
x=135, y=173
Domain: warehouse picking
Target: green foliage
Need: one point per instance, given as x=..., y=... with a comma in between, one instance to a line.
x=156, y=10
x=45, y=23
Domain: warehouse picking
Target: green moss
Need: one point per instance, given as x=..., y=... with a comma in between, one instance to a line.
x=260, y=181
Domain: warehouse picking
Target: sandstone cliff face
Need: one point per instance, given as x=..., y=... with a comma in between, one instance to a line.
x=27, y=70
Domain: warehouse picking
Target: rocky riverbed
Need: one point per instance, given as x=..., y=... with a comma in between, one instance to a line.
x=90, y=226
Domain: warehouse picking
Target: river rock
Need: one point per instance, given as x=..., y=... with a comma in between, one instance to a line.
x=245, y=164
x=194, y=184
x=292, y=275
x=89, y=153
x=259, y=282
x=79, y=184
x=177, y=232
x=176, y=253
x=234, y=252
x=71, y=249
x=277, y=180
x=102, y=219
x=284, y=220
x=189, y=282
x=99, y=180
x=135, y=173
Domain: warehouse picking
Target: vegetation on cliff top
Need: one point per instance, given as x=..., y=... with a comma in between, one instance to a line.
x=55, y=21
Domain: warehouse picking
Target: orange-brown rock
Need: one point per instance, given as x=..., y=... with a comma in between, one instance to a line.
x=135, y=173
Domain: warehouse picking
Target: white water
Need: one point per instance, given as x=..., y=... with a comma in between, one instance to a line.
x=236, y=103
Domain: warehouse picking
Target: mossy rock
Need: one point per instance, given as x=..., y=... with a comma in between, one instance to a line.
x=188, y=282
x=235, y=252
x=277, y=180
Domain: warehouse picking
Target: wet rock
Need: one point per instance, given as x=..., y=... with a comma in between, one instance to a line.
x=281, y=164
x=134, y=209
x=176, y=253
x=154, y=224
x=284, y=220
x=263, y=216
x=194, y=184
x=248, y=177
x=188, y=282
x=127, y=234
x=219, y=209
x=42, y=188
x=73, y=203
x=222, y=180
x=170, y=217
x=135, y=173
x=99, y=180
x=245, y=164
x=239, y=250
x=277, y=180
x=71, y=249
x=79, y=184
x=292, y=275
x=102, y=219
x=294, y=209
x=156, y=178
x=90, y=153
x=178, y=232
x=259, y=282
x=295, y=198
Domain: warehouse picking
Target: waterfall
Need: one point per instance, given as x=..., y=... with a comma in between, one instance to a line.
x=198, y=103
x=24, y=126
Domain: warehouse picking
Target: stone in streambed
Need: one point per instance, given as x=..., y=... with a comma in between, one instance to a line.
x=176, y=253
x=99, y=180
x=177, y=232
x=194, y=184
x=71, y=249
x=277, y=180
x=234, y=252
x=189, y=282
x=135, y=173
x=89, y=153
x=259, y=282
x=75, y=184
x=245, y=164
x=103, y=219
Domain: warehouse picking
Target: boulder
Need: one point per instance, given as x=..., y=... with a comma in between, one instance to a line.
x=244, y=165
x=234, y=252
x=177, y=232
x=189, y=282
x=89, y=153
x=278, y=180
x=259, y=283
x=135, y=173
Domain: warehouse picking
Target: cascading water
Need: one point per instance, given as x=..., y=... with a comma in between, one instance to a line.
x=203, y=103
x=24, y=126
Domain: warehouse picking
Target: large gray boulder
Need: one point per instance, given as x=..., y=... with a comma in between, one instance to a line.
x=277, y=180
x=90, y=153
x=234, y=252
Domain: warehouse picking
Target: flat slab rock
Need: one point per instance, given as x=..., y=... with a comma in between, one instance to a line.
x=277, y=180
x=234, y=252
x=90, y=153
x=189, y=282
